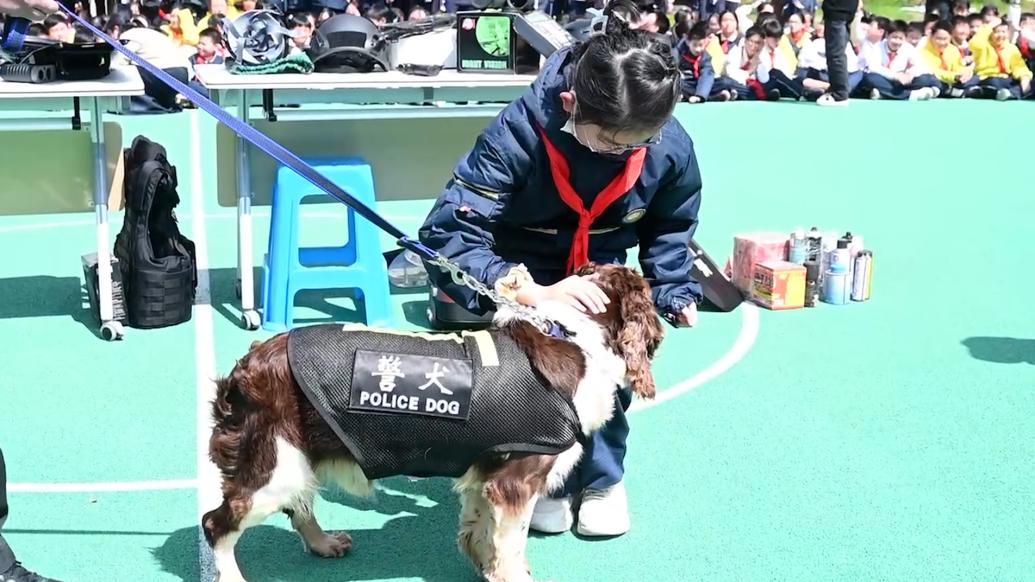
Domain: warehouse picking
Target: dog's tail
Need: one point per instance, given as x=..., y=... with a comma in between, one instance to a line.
x=246, y=396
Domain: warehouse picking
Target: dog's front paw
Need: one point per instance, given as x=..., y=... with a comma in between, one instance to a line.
x=332, y=545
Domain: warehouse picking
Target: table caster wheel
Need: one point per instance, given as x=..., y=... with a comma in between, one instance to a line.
x=112, y=331
x=250, y=320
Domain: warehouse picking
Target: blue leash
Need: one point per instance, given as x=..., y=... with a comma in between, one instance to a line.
x=263, y=142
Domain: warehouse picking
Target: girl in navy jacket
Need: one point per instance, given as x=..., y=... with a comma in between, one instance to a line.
x=594, y=131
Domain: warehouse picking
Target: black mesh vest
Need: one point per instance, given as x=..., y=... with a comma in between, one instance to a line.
x=428, y=404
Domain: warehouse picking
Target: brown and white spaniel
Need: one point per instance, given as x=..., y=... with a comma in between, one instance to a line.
x=274, y=449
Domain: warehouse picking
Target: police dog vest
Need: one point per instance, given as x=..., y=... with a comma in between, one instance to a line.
x=428, y=404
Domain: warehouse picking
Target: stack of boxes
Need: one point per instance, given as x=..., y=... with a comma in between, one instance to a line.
x=789, y=271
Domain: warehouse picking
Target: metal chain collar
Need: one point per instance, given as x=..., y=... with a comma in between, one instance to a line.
x=461, y=277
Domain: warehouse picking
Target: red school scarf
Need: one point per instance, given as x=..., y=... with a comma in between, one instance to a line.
x=1025, y=48
x=621, y=184
x=695, y=62
x=752, y=83
x=1002, y=64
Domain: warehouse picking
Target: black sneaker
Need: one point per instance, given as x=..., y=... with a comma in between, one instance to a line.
x=773, y=95
x=17, y=573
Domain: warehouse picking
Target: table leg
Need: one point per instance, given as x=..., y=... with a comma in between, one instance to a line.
x=110, y=329
x=245, y=282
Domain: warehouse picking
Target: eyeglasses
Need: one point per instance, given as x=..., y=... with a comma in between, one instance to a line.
x=611, y=148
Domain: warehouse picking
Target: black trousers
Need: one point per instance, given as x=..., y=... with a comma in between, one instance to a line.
x=6, y=555
x=836, y=37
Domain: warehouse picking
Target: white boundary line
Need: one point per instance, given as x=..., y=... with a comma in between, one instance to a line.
x=749, y=322
x=209, y=496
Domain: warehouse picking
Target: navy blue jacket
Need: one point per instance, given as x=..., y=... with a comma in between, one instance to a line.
x=501, y=207
x=696, y=81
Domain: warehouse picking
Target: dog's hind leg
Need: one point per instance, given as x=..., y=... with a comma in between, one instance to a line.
x=289, y=485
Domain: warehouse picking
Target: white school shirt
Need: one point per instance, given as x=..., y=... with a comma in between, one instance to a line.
x=814, y=56
x=735, y=67
x=875, y=58
x=774, y=59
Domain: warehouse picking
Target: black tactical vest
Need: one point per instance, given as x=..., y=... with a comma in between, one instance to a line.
x=158, y=265
x=428, y=404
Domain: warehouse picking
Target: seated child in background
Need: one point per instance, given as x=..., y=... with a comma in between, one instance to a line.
x=944, y=60
x=797, y=33
x=961, y=38
x=1026, y=39
x=998, y=64
x=915, y=33
x=893, y=69
x=777, y=67
x=812, y=67
x=742, y=65
x=209, y=48
x=729, y=31
x=209, y=51
x=301, y=30
x=699, y=81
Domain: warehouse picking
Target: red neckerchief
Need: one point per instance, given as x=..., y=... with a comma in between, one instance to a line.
x=772, y=58
x=800, y=36
x=621, y=184
x=1025, y=49
x=941, y=55
x=891, y=57
x=999, y=57
x=695, y=62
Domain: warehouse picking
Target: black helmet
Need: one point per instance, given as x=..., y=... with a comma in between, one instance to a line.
x=257, y=37
x=348, y=44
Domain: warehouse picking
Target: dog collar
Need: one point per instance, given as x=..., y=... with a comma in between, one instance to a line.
x=559, y=331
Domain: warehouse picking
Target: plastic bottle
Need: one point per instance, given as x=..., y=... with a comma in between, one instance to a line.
x=799, y=248
x=835, y=285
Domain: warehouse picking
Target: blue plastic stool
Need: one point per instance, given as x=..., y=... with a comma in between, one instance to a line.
x=358, y=264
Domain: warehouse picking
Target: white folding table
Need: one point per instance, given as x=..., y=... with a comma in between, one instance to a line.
x=31, y=103
x=330, y=96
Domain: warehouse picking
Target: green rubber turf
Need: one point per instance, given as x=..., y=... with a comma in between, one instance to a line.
x=890, y=440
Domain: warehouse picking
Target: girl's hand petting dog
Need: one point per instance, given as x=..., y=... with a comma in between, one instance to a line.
x=579, y=292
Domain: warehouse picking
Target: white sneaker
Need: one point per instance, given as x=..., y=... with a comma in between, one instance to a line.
x=874, y=94
x=827, y=100
x=552, y=516
x=1003, y=95
x=604, y=512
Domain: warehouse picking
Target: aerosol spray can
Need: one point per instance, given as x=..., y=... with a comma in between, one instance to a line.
x=839, y=256
x=815, y=245
x=835, y=285
x=811, y=283
x=799, y=250
x=863, y=276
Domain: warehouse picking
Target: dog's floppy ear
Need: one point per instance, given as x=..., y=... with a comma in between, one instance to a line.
x=639, y=335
